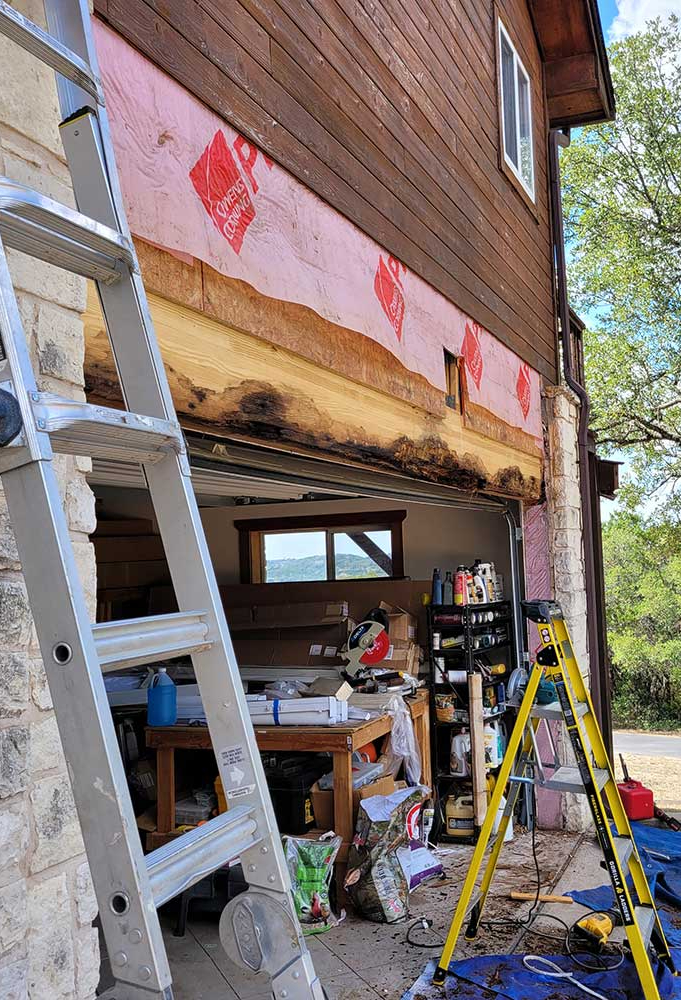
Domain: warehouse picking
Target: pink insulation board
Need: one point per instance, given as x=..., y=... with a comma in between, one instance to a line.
x=195, y=187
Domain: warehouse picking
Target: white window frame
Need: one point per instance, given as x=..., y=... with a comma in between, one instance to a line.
x=518, y=64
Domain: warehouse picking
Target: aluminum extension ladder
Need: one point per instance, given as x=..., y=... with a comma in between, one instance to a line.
x=259, y=928
x=593, y=776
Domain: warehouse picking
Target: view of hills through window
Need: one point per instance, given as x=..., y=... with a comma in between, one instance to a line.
x=306, y=555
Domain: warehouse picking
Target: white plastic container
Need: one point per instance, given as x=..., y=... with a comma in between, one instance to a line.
x=491, y=742
x=459, y=754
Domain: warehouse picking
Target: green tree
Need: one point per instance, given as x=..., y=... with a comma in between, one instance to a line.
x=643, y=582
x=622, y=197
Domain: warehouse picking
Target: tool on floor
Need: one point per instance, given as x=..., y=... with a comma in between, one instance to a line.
x=258, y=928
x=543, y=897
x=596, y=928
x=668, y=820
x=593, y=776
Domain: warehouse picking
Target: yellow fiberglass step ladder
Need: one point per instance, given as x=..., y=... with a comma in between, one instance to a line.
x=259, y=928
x=593, y=776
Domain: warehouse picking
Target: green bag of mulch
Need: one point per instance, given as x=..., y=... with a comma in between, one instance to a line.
x=376, y=880
x=310, y=865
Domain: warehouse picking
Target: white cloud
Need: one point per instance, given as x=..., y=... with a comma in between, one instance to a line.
x=633, y=14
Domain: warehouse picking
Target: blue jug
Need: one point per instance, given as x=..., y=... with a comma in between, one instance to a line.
x=161, y=700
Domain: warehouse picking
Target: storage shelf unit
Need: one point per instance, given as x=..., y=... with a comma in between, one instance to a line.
x=464, y=621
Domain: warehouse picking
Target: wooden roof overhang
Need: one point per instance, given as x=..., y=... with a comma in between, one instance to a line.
x=578, y=84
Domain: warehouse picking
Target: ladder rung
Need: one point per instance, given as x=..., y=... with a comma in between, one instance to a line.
x=568, y=779
x=43, y=228
x=554, y=711
x=136, y=641
x=83, y=429
x=645, y=918
x=187, y=859
x=625, y=848
x=49, y=50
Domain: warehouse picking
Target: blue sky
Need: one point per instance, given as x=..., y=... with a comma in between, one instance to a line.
x=622, y=17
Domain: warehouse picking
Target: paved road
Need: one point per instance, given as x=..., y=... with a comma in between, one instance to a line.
x=647, y=744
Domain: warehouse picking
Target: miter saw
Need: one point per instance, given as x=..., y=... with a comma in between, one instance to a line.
x=368, y=643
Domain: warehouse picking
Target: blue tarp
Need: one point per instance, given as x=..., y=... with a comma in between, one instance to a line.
x=504, y=976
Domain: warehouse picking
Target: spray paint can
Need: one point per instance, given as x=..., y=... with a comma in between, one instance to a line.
x=460, y=586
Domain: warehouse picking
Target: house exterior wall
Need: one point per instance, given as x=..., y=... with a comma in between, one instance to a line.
x=48, y=947
x=388, y=111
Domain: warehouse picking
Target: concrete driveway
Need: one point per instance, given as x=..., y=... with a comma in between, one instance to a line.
x=647, y=744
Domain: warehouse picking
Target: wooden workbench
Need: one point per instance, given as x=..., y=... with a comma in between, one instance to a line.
x=340, y=740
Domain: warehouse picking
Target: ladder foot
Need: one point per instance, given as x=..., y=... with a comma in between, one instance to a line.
x=126, y=991
x=439, y=976
x=259, y=933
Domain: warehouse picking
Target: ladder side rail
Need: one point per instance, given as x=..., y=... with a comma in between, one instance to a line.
x=517, y=738
x=70, y=24
x=519, y=771
x=130, y=329
x=91, y=159
x=611, y=791
x=146, y=390
x=595, y=739
x=639, y=946
x=86, y=730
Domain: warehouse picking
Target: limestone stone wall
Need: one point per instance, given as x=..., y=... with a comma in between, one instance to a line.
x=48, y=947
x=565, y=516
x=567, y=553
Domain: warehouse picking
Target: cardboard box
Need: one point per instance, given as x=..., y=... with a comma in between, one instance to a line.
x=329, y=687
x=322, y=800
x=402, y=626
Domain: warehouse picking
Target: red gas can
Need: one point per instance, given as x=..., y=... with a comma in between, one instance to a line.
x=636, y=799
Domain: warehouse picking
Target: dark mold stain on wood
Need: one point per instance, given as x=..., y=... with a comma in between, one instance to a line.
x=257, y=410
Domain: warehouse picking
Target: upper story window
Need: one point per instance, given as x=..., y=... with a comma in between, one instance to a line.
x=516, y=113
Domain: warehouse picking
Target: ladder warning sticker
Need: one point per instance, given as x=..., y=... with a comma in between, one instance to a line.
x=238, y=771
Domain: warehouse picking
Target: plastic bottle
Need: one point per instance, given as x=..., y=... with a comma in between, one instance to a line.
x=437, y=587
x=491, y=743
x=459, y=816
x=458, y=758
x=161, y=700
x=508, y=836
x=500, y=740
x=448, y=589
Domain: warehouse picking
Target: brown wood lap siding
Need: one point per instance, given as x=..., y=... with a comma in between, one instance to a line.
x=387, y=109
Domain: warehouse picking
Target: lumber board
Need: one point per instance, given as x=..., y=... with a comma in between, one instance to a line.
x=228, y=382
x=478, y=770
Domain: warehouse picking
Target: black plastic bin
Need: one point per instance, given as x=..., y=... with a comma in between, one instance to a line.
x=289, y=780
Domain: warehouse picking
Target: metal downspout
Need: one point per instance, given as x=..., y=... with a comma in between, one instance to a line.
x=557, y=139
x=518, y=621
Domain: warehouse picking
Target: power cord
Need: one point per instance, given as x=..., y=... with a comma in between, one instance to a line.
x=426, y=924
x=568, y=940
